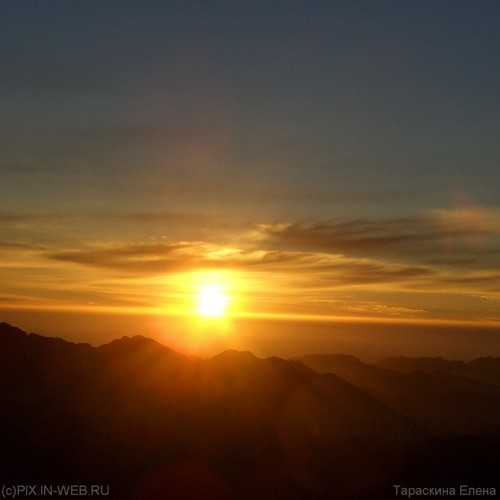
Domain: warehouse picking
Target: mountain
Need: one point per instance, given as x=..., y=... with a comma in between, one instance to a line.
x=443, y=402
x=149, y=421
x=328, y=363
x=481, y=369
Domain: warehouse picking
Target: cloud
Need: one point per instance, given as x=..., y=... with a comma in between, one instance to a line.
x=405, y=253
x=162, y=258
x=322, y=269
x=136, y=259
x=450, y=237
x=352, y=236
x=284, y=262
x=14, y=245
x=473, y=219
x=380, y=309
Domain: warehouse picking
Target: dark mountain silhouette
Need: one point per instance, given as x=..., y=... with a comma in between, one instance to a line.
x=442, y=401
x=154, y=423
x=481, y=369
x=327, y=363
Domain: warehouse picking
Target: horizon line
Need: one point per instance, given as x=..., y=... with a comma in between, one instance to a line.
x=317, y=318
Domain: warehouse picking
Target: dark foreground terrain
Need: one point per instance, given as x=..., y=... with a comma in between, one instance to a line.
x=151, y=423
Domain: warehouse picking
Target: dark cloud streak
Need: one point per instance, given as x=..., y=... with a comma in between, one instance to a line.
x=417, y=239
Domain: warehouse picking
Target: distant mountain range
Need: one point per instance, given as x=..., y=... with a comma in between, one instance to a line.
x=153, y=423
x=443, y=396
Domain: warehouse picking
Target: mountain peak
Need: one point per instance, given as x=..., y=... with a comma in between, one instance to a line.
x=231, y=354
x=7, y=330
x=135, y=341
x=139, y=345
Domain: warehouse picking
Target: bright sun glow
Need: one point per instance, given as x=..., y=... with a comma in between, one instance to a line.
x=212, y=300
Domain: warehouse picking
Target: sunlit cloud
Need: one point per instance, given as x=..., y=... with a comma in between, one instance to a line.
x=424, y=239
x=286, y=267
x=321, y=269
x=470, y=226
x=380, y=309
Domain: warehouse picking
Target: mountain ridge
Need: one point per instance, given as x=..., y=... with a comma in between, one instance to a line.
x=123, y=410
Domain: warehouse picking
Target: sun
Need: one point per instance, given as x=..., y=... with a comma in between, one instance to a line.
x=212, y=301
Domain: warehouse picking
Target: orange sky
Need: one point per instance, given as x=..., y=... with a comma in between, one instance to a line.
x=441, y=265
x=342, y=285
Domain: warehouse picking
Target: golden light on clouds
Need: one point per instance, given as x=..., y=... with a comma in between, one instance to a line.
x=440, y=265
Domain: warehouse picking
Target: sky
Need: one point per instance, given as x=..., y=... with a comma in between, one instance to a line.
x=313, y=159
